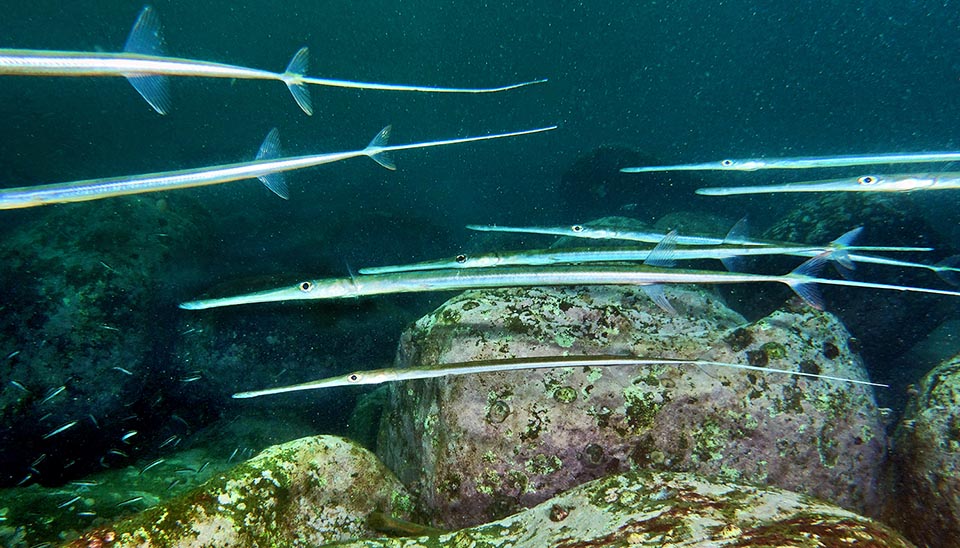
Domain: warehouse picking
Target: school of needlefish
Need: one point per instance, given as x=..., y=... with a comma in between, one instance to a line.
x=144, y=63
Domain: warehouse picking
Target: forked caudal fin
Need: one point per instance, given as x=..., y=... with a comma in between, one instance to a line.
x=293, y=78
x=146, y=39
x=803, y=280
x=380, y=141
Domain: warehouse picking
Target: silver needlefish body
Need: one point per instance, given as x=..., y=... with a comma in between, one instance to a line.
x=380, y=376
x=755, y=164
x=268, y=167
x=906, y=182
x=801, y=280
x=143, y=63
x=599, y=233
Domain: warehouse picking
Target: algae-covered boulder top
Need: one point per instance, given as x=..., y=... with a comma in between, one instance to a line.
x=307, y=492
x=667, y=510
x=926, y=457
x=475, y=448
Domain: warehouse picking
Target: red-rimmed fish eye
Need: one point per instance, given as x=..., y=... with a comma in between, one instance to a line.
x=577, y=228
x=306, y=287
x=726, y=163
x=461, y=258
x=353, y=377
x=868, y=180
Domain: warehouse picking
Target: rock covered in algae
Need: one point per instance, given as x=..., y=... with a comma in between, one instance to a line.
x=477, y=447
x=926, y=459
x=667, y=510
x=306, y=492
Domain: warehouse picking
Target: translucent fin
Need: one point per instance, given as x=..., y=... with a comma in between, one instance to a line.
x=662, y=254
x=733, y=264
x=659, y=297
x=807, y=290
x=380, y=141
x=739, y=233
x=949, y=270
x=146, y=39
x=293, y=77
x=269, y=150
x=841, y=259
x=847, y=239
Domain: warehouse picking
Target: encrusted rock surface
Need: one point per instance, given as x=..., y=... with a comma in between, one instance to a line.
x=667, y=510
x=475, y=448
x=926, y=506
x=306, y=492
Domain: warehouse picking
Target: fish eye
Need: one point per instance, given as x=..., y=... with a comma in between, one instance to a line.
x=726, y=163
x=576, y=228
x=461, y=258
x=354, y=377
x=868, y=180
x=306, y=287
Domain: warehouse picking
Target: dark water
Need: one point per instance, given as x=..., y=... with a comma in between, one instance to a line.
x=671, y=81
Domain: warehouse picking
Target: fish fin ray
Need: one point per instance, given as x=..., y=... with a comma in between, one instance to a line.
x=659, y=297
x=949, y=270
x=270, y=149
x=662, y=254
x=739, y=233
x=383, y=158
x=293, y=77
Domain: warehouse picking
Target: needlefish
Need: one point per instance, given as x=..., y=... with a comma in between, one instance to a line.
x=143, y=63
x=662, y=255
x=801, y=280
x=905, y=182
x=380, y=376
x=754, y=164
x=268, y=167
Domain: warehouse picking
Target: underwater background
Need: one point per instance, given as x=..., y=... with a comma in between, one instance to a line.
x=630, y=83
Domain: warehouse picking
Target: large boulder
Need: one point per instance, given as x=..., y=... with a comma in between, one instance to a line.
x=926, y=458
x=669, y=510
x=475, y=448
x=307, y=492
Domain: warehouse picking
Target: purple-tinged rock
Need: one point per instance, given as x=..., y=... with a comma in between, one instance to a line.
x=926, y=457
x=475, y=448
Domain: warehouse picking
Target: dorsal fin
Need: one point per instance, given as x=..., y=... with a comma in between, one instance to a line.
x=146, y=39
x=270, y=150
x=659, y=297
x=739, y=233
x=662, y=254
x=848, y=238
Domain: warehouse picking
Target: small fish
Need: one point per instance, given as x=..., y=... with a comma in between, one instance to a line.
x=85, y=483
x=126, y=437
x=118, y=453
x=184, y=471
x=191, y=378
x=69, y=502
x=128, y=502
x=122, y=370
x=94, y=421
x=108, y=267
x=168, y=441
x=20, y=386
x=13, y=354
x=39, y=460
x=153, y=464
x=108, y=327
x=173, y=484
x=204, y=467
x=25, y=479
x=233, y=454
x=63, y=428
x=87, y=514
x=52, y=393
